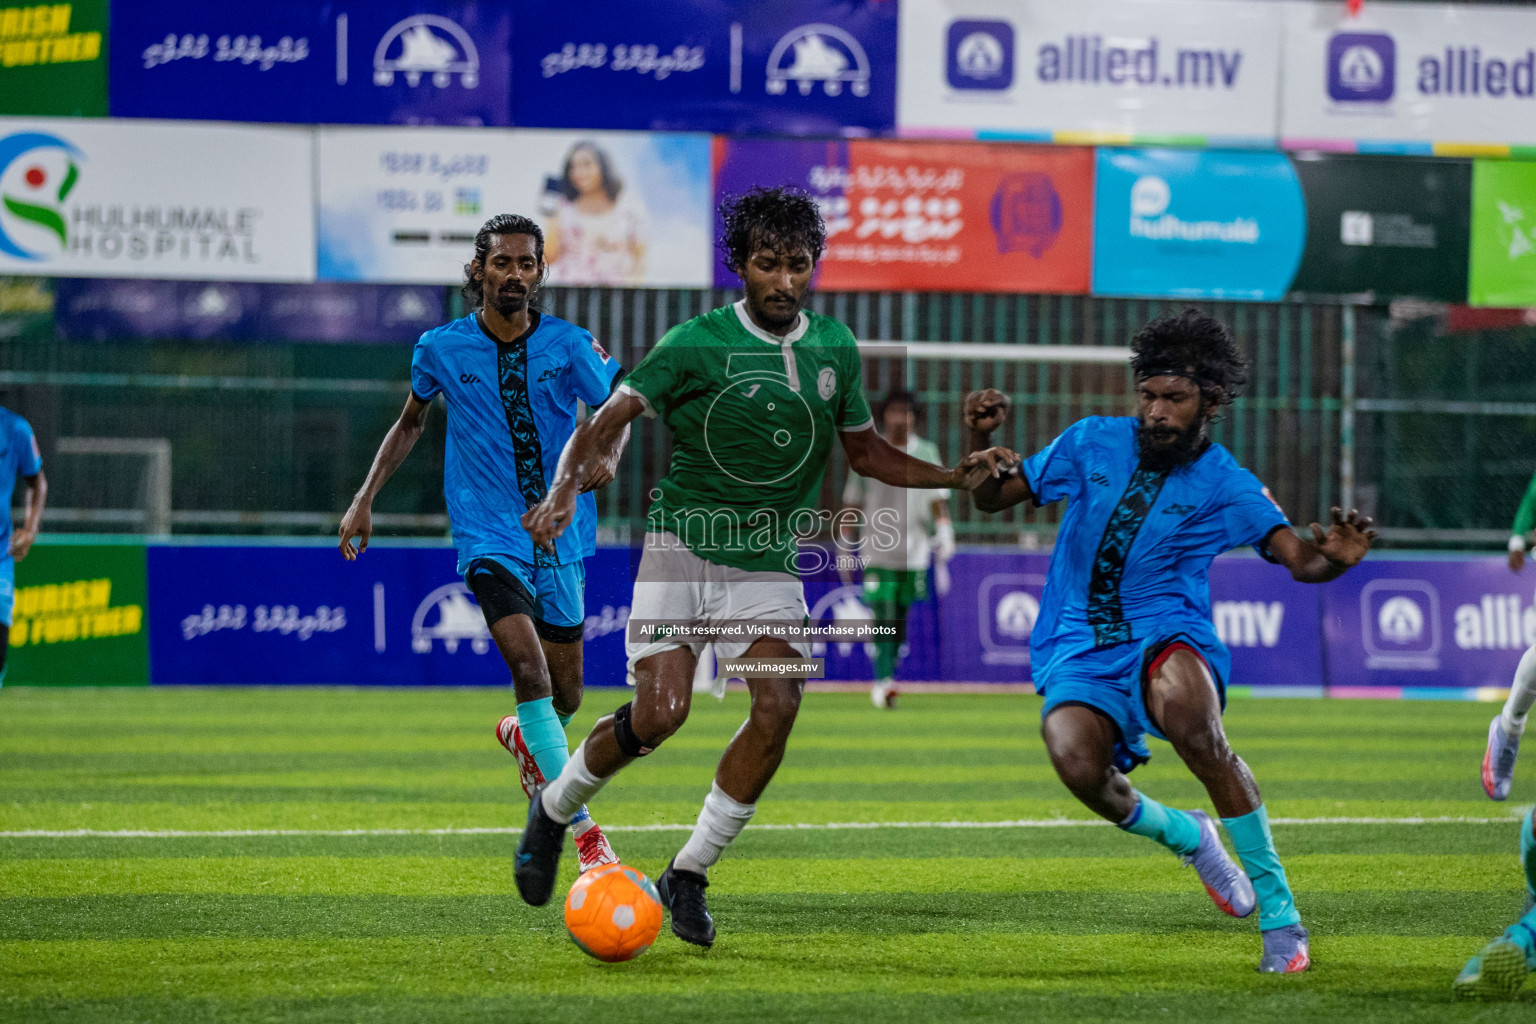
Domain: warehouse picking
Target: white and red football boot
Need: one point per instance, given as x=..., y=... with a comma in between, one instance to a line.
x=592, y=847
x=511, y=737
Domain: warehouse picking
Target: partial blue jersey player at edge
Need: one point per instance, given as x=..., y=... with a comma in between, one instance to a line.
x=511, y=408
x=19, y=456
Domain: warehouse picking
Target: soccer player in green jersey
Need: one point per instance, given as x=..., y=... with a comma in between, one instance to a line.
x=754, y=394
x=904, y=530
x=1508, y=726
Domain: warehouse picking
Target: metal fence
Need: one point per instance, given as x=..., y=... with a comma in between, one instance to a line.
x=275, y=438
x=1445, y=421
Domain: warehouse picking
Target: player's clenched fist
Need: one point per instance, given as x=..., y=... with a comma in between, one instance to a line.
x=985, y=410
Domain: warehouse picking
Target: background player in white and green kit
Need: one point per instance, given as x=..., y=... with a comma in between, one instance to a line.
x=753, y=394
x=904, y=530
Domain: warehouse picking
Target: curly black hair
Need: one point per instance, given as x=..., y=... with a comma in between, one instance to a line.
x=783, y=219
x=502, y=224
x=1195, y=345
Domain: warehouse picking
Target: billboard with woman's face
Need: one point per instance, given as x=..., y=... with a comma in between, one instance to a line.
x=617, y=208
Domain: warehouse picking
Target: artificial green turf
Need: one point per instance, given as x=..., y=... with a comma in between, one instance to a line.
x=1061, y=923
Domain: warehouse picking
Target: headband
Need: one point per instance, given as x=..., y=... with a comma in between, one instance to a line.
x=1171, y=371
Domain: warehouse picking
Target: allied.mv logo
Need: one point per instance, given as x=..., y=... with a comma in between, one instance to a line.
x=818, y=53
x=1362, y=67
x=37, y=173
x=427, y=44
x=980, y=55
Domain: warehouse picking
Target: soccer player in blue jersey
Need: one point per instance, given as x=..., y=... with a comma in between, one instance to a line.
x=1123, y=645
x=511, y=376
x=1501, y=967
x=19, y=456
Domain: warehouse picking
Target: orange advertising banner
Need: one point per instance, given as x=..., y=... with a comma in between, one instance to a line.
x=932, y=216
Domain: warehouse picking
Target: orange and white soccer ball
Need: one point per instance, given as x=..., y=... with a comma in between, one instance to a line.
x=613, y=913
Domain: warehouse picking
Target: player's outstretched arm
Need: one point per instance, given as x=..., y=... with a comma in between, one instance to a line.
x=589, y=460
x=984, y=411
x=397, y=444
x=1328, y=555
x=873, y=456
x=37, y=496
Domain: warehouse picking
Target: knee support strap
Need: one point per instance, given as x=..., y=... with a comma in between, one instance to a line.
x=624, y=733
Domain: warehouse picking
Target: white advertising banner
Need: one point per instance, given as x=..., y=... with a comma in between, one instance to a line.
x=84, y=198
x=1403, y=77
x=1091, y=70
x=617, y=208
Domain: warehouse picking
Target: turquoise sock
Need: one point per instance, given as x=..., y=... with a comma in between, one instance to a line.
x=545, y=735
x=1528, y=851
x=1250, y=835
x=565, y=720
x=1174, y=829
x=1523, y=934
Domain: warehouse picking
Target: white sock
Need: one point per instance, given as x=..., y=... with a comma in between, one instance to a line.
x=572, y=788
x=1522, y=693
x=720, y=821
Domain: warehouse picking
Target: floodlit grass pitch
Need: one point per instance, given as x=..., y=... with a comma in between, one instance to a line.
x=1039, y=923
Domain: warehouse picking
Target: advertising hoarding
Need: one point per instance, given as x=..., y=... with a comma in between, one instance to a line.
x=919, y=216
x=1392, y=226
x=53, y=59
x=1115, y=71
x=617, y=208
x=80, y=617
x=794, y=67
x=106, y=198
x=1502, y=270
x=1190, y=224
x=1406, y=77
x=390, y=62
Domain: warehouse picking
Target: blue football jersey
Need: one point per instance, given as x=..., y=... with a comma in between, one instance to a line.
x=1135, y=547
x=19, y=456
x=511, y=409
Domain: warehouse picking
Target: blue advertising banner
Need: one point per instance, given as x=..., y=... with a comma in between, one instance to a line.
x=103, y=310
x=1192, y=224
x=392, y=62
x=798, y=67
x=303, y=615
x=1453, y=622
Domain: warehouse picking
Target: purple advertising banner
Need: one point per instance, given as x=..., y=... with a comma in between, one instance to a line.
x=385, y=62
x=1427, y=623
x=1268, y=621
x=302, y=615
x=794, y=67
x=101, y=310
x=401, y=616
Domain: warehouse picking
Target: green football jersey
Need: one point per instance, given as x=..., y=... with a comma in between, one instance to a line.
x=753, y=418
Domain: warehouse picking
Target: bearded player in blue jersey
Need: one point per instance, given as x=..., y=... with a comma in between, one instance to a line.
x=1123, y=645
x=511, y=377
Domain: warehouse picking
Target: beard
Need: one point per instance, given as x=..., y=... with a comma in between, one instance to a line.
x=509, y=302
x=1167, y=448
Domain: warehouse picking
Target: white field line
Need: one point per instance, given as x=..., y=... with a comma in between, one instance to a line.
x=834, y=826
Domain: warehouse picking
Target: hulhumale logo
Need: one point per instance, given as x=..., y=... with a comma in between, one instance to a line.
x=1150, y=199
x=980, y=55
x=34, y=183
x=1362, y=67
